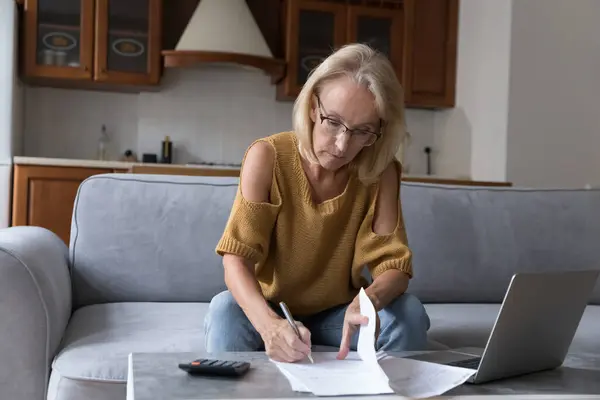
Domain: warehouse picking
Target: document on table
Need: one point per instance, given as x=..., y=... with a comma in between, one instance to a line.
x=366, y=372
x=359, y=373
x=420, y=379
x=329, y=376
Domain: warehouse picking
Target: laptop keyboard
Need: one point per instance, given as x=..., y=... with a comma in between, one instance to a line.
x=471, y=363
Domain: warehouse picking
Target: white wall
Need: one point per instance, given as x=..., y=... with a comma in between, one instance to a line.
x=554, y=116
x=527, y=90
x=10, y=106
x=526, y=112
x=470, y=140
x=10, y=92
x=66, y=123
x=211, y=113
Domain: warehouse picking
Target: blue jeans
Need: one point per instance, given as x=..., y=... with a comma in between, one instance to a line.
x=403, y=326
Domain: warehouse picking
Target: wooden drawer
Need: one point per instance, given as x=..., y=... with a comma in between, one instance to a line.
x=44, y=195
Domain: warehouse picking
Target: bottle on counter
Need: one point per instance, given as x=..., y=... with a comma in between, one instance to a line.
x=103, y=144
x=167, y=150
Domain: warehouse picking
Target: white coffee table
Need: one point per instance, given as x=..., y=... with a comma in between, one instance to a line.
x=155, y=376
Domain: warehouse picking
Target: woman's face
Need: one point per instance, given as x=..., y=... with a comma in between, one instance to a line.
x=346, y=121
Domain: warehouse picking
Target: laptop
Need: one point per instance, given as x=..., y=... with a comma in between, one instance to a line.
x=534, y=329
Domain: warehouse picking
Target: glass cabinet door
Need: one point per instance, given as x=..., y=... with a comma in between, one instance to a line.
x=380, y=28
x=318, y=28
x=128, y=41
x=59, y=38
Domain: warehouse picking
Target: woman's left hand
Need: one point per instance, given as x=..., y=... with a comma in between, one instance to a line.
x=352, y=320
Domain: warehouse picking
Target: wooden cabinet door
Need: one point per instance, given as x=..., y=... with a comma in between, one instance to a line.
x=58, y=38
x=314, y=30
x=128, y=41
x=44, y=196
x=380, y=28
x=430, y=63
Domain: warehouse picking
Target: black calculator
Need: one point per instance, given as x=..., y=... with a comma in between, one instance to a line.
x=205, y=366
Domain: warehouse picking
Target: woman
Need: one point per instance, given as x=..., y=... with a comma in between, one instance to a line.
x=313, y=208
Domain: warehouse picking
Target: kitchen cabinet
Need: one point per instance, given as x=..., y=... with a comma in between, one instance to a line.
x=313, y=29
x=381, y=28
x=158, y=169
x=44, y=195
x=431, y=52
x=418, y=36
x=91, y=43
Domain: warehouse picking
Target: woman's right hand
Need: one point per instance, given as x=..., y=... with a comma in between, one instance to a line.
x=282, y=343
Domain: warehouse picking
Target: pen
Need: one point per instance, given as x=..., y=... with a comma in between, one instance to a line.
x=289, y=318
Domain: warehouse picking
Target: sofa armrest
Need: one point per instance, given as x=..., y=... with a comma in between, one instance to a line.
x=35, y=307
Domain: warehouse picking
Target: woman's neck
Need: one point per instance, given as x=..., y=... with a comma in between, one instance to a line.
x=319, y=174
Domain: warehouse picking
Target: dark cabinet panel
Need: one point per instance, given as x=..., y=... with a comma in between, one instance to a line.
x=58, y=38
x=90, y=43
x=313, y=30
x=431, y=53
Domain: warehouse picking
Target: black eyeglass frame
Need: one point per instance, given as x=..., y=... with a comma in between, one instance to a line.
x=324, y=117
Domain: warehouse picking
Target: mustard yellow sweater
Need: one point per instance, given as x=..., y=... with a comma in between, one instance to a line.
x=311, y=255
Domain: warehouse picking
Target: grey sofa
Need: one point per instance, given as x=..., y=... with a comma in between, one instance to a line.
x=141, y=269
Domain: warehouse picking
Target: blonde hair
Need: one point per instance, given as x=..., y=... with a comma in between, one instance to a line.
x=370, y=68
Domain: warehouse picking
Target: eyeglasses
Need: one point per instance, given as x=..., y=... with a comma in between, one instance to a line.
x=336, y=127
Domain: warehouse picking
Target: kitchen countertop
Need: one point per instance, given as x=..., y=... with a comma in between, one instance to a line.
x=70, y=162
x=125, y=165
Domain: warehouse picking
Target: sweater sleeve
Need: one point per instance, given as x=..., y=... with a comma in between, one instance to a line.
x=382, y=252
x=249, y=228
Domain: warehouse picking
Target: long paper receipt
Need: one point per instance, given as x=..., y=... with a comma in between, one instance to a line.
x=366, y=372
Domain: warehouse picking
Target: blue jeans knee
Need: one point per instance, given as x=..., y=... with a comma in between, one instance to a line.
x=227, y=328
x=404, y=325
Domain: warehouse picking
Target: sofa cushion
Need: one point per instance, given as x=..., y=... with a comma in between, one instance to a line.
x=92, y=363
x=469, y=325
x=467, y=242
x=148, y=238
x=61, y=388
x=99, y=338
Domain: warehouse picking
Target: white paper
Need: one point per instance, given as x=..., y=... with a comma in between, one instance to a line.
x=329, y=376
x=367, y=372
x=421, y=379
x=297, y=386
x=366, y=336
x=358, y=373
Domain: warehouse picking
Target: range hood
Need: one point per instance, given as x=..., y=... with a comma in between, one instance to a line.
x=224, y=31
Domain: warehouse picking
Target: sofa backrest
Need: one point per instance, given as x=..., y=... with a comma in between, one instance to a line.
x=467, y=242
x=153, y=237
x=148, y=238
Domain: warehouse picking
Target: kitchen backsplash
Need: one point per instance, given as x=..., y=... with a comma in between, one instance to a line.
x=211, y=114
